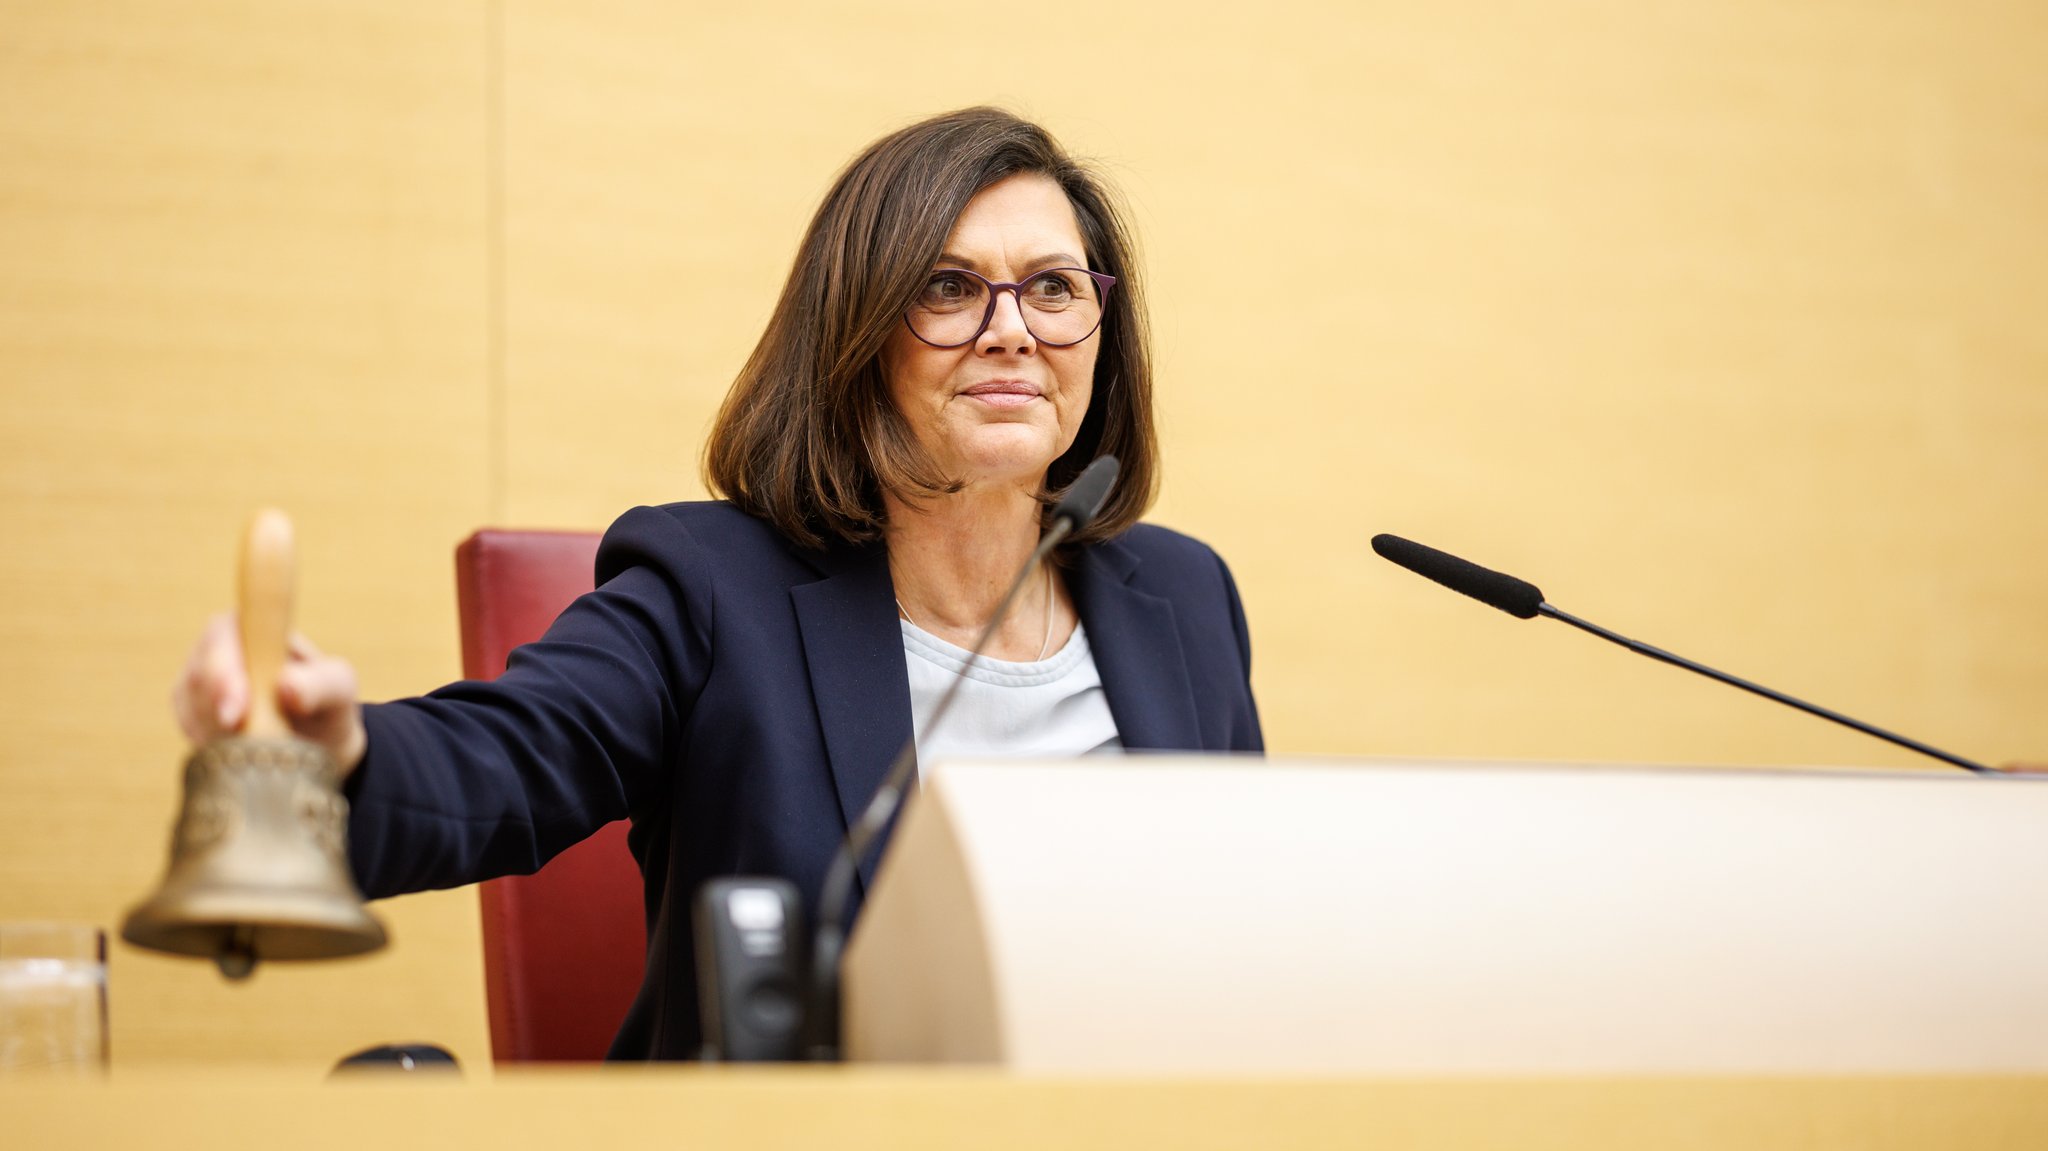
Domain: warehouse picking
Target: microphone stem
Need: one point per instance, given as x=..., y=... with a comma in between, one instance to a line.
x=1660, y=654
x=821, y=1017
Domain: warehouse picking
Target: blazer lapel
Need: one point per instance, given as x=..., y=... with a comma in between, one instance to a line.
x=854, y=652
x=1137, y=650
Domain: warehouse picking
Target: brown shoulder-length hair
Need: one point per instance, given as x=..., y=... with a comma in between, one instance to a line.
x=808, y=439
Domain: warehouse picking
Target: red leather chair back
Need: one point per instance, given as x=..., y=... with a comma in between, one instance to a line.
x=564, y=947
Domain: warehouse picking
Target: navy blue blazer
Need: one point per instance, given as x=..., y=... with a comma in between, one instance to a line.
x=740, y=699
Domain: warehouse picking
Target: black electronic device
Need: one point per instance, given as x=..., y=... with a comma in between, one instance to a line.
x=750, y=958
x=399, y=1058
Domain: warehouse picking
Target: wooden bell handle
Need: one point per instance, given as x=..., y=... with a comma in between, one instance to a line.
x=266, y=617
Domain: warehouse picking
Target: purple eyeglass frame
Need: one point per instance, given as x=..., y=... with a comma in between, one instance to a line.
x=1103, y=283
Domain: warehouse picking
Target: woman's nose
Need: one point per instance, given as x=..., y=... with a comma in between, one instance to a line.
x=1006, y=331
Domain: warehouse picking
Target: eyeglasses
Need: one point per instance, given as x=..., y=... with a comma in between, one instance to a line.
x=1061, y=306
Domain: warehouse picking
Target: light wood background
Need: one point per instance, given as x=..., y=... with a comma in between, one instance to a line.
x=1720, y=322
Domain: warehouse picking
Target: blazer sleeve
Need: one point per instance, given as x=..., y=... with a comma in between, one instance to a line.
x=1248, y=736
x=482, y=779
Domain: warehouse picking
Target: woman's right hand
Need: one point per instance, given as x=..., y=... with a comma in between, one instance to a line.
x=316, y=693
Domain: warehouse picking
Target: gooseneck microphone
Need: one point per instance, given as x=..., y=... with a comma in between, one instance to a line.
x=1081, y=503
x=1524, y=600
x=1518, y=598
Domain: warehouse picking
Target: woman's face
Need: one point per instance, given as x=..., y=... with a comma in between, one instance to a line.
x=1001, y=409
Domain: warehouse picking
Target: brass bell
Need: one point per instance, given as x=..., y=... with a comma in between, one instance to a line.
x=259, y=856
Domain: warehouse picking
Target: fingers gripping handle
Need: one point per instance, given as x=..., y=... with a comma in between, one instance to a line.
x=268, y=572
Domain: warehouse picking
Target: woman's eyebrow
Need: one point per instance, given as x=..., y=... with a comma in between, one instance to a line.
x=1056, y=260
x=1049, y=260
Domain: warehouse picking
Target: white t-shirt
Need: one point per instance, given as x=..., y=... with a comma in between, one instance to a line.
x=1047, y=708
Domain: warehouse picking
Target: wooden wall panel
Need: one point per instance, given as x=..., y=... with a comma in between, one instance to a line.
x=1716, y=321
x=660, y=164
x=242, y=261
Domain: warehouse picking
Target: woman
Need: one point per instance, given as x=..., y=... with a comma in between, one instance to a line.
x=961, y=334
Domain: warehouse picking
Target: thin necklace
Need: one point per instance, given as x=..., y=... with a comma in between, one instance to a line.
x=1043, y=646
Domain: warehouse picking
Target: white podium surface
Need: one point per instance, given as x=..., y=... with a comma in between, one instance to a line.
x=1186, y=915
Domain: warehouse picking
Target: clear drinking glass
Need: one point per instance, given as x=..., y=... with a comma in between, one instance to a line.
x=53, y=999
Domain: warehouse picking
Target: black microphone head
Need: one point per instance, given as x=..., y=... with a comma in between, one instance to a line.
x=1086, y=495
x=1518, y=598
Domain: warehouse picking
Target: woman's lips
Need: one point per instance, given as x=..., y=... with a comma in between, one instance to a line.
x=1003, y=393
